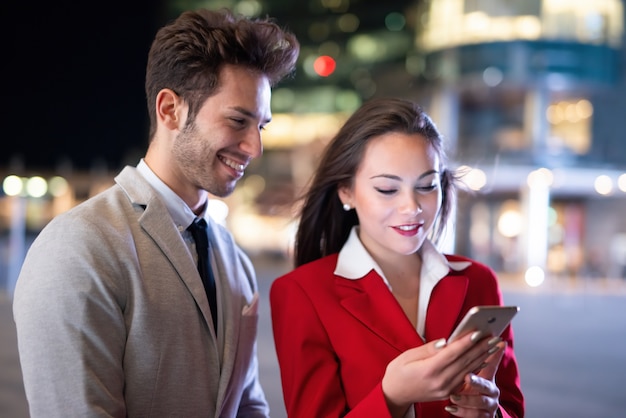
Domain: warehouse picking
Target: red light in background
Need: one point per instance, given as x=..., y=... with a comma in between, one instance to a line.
x=324, y=65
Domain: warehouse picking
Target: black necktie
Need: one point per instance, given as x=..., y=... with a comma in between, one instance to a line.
x=198, y=229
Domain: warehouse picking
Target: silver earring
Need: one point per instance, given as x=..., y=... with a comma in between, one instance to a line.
x=346, y=207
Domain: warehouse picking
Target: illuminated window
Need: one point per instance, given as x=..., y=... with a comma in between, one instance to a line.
x=450, y=23
x=570, y=125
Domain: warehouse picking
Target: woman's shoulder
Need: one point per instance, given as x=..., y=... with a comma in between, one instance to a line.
x=313, y=270
x=321, y=266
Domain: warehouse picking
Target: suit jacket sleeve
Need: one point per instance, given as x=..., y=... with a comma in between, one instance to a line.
x=70, y=324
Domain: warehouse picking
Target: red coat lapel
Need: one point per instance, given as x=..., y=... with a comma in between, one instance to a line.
x=370, y=301
x=444, y=308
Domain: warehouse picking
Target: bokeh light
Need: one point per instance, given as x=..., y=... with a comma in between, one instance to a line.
x=324, y=65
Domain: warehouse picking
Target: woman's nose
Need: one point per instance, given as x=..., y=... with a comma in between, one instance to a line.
x=411, y=206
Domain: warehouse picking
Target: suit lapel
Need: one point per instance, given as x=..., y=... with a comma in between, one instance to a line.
x=164, y=234
x=169, y=240
x=370, y=301
x=227, y=268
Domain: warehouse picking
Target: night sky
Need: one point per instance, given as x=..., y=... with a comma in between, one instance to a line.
x=73, y=82
x=73, y=77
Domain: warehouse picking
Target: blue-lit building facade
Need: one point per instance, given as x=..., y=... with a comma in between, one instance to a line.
x=531, y=96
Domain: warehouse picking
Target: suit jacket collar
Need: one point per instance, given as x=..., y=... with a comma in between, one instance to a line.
x=179, y=211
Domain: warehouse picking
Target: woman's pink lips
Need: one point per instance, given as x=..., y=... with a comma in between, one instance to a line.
x=409, y=232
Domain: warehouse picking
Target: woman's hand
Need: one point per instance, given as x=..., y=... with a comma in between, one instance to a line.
x=478, y=397
x=435, y=370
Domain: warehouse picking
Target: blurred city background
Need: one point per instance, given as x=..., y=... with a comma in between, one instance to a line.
x=529, y=94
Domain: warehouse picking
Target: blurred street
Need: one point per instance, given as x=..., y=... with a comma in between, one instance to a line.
x=570, y=343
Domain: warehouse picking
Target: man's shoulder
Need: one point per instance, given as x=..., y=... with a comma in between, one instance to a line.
x=87, y=219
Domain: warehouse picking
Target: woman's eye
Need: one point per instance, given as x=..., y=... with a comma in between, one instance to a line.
x=386, y=191
x=428, y=188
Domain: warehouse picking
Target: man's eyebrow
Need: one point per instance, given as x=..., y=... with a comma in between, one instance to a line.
x=248, y=113
x=394, y=177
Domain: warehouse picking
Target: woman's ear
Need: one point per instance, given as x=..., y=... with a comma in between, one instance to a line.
x=345, y=195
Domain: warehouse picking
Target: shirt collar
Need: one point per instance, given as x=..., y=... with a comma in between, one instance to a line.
x=354, y=262
x=180, y=212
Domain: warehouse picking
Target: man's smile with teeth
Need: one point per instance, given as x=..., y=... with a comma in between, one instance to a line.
x=232, y=164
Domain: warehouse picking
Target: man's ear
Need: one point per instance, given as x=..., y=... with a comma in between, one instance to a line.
x=170, y=110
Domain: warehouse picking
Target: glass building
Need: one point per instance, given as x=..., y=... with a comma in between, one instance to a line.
x=526, y=92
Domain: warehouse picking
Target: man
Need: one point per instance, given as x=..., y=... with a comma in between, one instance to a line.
x=112, y=315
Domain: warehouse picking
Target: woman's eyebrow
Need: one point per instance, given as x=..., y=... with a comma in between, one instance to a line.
x=394, y=177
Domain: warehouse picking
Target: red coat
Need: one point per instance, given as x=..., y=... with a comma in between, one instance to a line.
x=334, y=338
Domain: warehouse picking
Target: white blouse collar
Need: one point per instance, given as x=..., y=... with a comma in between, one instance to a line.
x=354, y=262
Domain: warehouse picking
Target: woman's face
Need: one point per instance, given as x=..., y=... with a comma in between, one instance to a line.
x=396, y=193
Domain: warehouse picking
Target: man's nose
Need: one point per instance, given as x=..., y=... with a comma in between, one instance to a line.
x=252, y=144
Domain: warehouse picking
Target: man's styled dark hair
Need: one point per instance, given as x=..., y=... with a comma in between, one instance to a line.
x=187, y=54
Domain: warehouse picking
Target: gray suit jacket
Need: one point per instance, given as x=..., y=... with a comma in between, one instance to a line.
x=112, y=318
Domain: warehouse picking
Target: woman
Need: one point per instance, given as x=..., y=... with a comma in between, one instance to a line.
x=360, y=325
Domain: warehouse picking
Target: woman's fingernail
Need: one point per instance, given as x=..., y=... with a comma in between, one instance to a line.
x=451, y=409
x=494, y=341
x=440, y=343
x=455, y=398
x=477, y=335
x=493, y=349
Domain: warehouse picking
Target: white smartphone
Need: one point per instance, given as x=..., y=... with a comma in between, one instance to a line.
x=490, y=319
